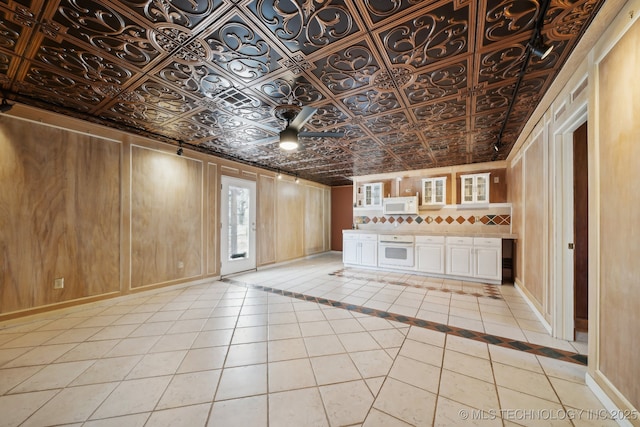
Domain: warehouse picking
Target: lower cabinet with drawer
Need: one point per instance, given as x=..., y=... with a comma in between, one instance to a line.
x=488, y=258
x=430, y=254
x=360, y=249
x=460, y=256
x=475, y=257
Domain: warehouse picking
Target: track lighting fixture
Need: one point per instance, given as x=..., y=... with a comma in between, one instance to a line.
x=537, y=47
x=540, y=48
x=297, y=179
x=5, y=106
x=180, y=150
x=279, y=175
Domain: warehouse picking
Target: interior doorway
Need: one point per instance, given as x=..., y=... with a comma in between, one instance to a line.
x=238, y=233
x=580, y=230
x=570, y=256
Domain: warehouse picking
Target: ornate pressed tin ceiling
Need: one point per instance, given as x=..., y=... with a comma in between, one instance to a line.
x=412, y=84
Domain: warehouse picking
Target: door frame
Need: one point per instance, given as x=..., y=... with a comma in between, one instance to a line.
x=252, y=260
x=562, y=257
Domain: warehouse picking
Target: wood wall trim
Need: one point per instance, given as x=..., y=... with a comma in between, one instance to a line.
x=200, y=180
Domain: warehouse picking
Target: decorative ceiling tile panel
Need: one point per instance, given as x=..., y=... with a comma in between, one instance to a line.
x=291, y=91
x=440, y=111
x=10, y=32
x=438, y=83
x=107, y=31
x=186, y=14
x=199, y=80
x=410, y=84
x=307, y=25
x=348, y=69
x=430, y=36
x=504, y=19
x=371, y=102
x=241, y=50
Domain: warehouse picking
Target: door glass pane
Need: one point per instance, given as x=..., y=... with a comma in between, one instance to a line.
x=439, y=191
x=396, y=253
x=482, y=189
x=375, y=199
x=468, y=189
x=238, y=222
x=428, y=194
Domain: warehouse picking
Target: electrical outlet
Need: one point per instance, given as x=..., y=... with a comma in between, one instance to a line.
x=180, y=264
x=58, y=283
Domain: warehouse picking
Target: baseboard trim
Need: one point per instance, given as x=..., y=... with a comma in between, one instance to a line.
x=608, y=403
x=525, y=295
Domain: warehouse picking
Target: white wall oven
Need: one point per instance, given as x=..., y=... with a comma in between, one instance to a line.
x=395, y=251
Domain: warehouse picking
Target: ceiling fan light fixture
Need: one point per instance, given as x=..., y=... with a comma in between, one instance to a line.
x=289, y=139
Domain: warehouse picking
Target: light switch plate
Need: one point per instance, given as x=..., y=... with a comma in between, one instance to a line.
x=58, y=283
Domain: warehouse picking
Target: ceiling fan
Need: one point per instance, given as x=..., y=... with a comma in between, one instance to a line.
x=296, y=117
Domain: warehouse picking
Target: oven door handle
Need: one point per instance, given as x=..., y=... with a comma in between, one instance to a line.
x=396, y=244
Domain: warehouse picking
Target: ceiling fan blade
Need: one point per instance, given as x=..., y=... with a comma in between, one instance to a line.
x=265, y=141
x=321, y=134
x=303, y=117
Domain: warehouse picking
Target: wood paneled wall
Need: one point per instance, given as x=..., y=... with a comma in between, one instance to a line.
x=289, y=221
x=598, y=85
x=266, y=230
x=53, y=222
x=618, y=197
x=534, y=223
x=314, y=220
x=517, y=212
x=166, y=217
x=119, y=213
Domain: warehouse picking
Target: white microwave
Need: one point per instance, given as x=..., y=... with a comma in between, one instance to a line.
x=400, y=205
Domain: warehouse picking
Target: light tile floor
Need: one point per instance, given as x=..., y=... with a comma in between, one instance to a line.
x=224, y=354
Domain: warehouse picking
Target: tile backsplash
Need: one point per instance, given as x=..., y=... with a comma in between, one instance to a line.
x=494, y=219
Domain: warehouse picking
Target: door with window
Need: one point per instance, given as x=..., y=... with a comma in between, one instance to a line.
x=238, y=233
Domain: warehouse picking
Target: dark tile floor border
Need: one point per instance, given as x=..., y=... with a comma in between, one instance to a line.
x=524, y=346
x=491, y=291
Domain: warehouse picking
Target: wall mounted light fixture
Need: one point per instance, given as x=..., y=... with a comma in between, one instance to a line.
x=5, y=106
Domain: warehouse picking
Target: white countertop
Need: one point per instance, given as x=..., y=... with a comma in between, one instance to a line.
x=435, y=233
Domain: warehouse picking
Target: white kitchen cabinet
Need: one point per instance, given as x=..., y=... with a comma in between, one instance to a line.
x=430, y=254
x=360, y=249
x=474, y=188
x=350, y=246
x=434, y=191
x=488, y=258
x=460, y=256
x=372, y=196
